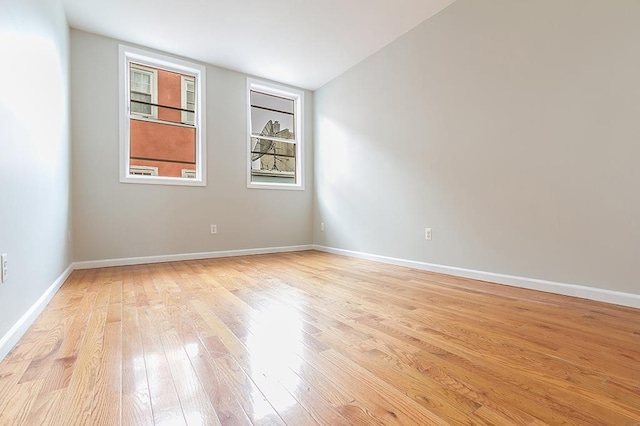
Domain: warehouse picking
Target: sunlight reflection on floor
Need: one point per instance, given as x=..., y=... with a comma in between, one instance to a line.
x=275, y=343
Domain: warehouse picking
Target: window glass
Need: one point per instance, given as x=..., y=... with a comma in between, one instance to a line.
x=141, y=83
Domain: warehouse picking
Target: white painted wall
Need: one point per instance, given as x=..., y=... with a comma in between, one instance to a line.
x=512, y=128
x=34, y=154
x=113, y=220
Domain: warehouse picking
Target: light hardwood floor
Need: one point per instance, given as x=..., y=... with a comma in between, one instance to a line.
x=312, y=338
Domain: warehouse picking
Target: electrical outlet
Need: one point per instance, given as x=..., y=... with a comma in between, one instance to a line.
x=4, y=268
x=427, y=234
x=322, y=226
x=214, y=229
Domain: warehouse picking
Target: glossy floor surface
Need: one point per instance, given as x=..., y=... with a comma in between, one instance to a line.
x=313, y=338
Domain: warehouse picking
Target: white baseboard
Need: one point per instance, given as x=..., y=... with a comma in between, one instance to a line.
x=188, y=256
x=18, y=330
x=591, y=293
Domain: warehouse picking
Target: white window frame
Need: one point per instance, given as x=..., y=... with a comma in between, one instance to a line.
x=298, y=98
x=128, y=55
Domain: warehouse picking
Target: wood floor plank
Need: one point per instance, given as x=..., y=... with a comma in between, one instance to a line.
x=136, y=402
x=59, y=374
x=22, y=400
x=310, y=338
x=47, y=408
x=47, y=351
x=165, y=402
x=76, y=334
x=80, y=392
x=107, y=400
x=403, y=405
x=10, y=374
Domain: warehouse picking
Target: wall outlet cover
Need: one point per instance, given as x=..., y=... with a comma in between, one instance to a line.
x=4, y=267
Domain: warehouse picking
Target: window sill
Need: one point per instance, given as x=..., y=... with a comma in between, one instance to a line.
x=160, y=180
x=272, y=185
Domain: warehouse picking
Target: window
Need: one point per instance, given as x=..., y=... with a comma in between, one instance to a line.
x=188, y=99
x=275, y=150
x=143, y=91
x=186, y=173
x=162, y=126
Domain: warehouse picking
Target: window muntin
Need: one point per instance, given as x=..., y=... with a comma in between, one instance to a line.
x=161, y=119
x=275, y=148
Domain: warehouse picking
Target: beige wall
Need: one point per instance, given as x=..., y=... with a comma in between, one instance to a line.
x=116, y=220
x=34, y=154
x=512, y=128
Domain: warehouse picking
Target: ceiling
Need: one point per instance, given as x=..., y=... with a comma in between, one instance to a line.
x=304, y=43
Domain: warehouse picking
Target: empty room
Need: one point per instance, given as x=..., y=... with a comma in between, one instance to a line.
x=339, y=212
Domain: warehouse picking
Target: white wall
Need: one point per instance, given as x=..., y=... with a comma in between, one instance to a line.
x=512, y=128
x=113, y=220
x=34, y=154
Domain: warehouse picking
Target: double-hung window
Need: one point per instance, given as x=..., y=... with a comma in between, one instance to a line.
x=162, y=125
x=275, y=139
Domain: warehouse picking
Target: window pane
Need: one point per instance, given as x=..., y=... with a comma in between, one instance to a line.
x=136, y=79
x=168, y=147
x=270, y=123
x=274, y=175
x=170, y=114
x=140, y=108
x=273, y=161
x=272, y=115
x=169, y=97
x=272, y=102
x=136, y=96
x=140, y=81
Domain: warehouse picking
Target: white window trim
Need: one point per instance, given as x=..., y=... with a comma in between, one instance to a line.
x=128, y=54
x=298, y=98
